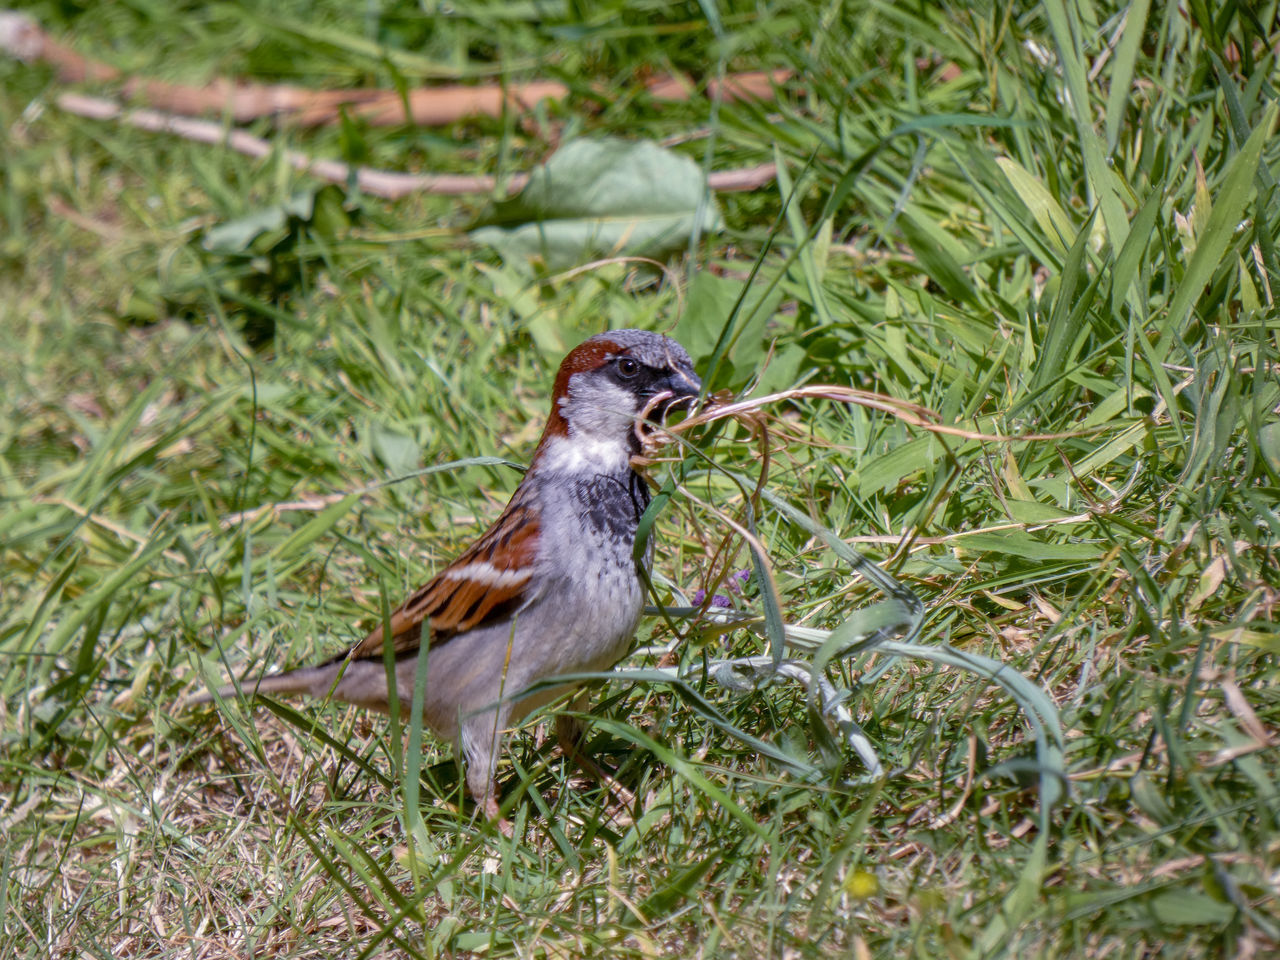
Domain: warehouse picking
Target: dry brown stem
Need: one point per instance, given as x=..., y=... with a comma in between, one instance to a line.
x=23, y=38
x=390, y=184
x=911, y=413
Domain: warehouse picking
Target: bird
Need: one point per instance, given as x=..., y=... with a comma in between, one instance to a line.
x=551, y=588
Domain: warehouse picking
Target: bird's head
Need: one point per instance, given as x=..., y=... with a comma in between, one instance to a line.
x=605, y=384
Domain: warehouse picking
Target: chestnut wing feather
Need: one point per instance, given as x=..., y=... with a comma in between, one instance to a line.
x=489, y=580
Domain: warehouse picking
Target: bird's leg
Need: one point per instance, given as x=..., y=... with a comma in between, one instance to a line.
x=481, y=740
x=571, y=734
x=489, y=804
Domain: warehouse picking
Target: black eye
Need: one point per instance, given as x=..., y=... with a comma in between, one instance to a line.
x=627, y=368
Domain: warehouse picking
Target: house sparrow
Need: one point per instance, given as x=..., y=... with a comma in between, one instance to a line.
x=551, y=588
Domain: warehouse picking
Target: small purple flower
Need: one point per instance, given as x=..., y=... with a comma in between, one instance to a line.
x=718, y=600
x=739, y=580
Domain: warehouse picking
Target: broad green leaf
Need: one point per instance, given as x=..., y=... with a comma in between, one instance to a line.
x=599, y=198
x=398, y=451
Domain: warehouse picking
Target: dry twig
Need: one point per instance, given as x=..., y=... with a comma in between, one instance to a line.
x=22, y=38
x=379, y=183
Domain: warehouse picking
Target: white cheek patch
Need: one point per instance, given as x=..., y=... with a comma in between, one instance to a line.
x=601, y=395
x=480, y=571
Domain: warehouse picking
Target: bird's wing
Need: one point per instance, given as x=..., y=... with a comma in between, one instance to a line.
x=489, y=580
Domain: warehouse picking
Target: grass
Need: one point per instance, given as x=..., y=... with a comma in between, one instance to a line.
x=1031, y=218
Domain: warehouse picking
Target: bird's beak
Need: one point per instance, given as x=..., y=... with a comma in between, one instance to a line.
x=680, y=388
x=675, y=389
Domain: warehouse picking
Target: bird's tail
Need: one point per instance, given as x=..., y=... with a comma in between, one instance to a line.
x=308, y=681
x=362, y=682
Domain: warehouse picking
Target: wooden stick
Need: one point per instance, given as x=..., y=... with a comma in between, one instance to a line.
x=22, y=38
x=379, y=183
